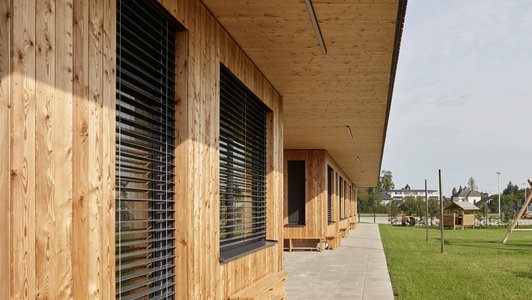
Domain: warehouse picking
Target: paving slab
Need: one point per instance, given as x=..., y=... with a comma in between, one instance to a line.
x=355, y=270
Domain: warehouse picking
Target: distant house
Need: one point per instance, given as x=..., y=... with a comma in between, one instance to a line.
x=482, y=201
x=467, y=194
x=399, y=194
x=385, y=198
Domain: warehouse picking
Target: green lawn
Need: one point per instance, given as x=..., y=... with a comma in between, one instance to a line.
x=475, y=265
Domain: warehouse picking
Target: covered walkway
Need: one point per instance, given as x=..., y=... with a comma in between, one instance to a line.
x=356, y=270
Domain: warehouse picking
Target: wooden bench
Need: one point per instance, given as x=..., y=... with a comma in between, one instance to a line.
x=334, y=241
x=344, y=232
x=320, y=243
x=269, y=287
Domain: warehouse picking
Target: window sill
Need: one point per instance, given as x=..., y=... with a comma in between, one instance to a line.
x=295, y=225
x=236, y=253
x=332, y=223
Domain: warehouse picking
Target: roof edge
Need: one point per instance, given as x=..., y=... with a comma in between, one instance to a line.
x=401, y=13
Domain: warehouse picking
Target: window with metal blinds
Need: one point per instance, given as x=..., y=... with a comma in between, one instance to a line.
x=350, y=200
x=145, y=143
x=340, y=197
x=344, y=201
x=242, y=167
x=329, y=193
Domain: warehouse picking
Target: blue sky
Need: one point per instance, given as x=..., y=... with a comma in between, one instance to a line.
x=463, y=95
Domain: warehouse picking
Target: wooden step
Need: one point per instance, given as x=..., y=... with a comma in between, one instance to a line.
x=320, y=243
x=269, y=287
x=334, y=241
x=344, y=232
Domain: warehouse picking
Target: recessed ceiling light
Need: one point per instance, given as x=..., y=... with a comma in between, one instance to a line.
x=316, y=26
x=349, y=133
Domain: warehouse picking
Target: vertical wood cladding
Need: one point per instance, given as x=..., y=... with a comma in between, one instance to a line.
x=5, y=150
x=57, y=153
x=57, y=163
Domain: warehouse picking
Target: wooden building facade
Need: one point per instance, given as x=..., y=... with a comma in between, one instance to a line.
x=142, y=140
x=59, y=133
x=319, y=200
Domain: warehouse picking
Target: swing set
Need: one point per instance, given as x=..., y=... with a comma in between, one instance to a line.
x=523, y=209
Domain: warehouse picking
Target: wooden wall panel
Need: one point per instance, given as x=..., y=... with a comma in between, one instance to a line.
x=108, y=148
x=22, y=158
x=5, y=236
x=44, y=148
x=60, y=238
x=61, y=287
x=80, y=156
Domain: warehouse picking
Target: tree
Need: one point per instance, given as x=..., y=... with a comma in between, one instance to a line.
x=454, y=192
x=414, y=206
x=482, y=214
x=434, y=209
x=511, y=189
x=393, y=210
x=472, y=183
x=386, y=181
x=369, y=200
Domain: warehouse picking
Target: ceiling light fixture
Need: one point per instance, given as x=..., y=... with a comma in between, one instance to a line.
x=358, y=159
x=349, y=133
x=316, y=26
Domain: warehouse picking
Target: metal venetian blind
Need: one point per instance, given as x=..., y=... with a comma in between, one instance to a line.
x=242, y=164
x=340, y=197
x=346, y=200
x=329, y=193
x=145, y=142
x=350, y=200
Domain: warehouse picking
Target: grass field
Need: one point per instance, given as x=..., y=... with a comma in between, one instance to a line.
x=475, y=265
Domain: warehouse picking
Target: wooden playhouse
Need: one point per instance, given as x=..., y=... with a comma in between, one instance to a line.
x=459, y=214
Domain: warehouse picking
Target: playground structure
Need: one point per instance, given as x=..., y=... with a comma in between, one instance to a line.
x=459, y=214
x=524, y=208
x=408, y=221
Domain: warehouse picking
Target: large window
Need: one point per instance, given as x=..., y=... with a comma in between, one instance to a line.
x=242, y=168
x=145, y=142
x=296, y=192
x=330, y=174
x=341, y=198
x=345, y=200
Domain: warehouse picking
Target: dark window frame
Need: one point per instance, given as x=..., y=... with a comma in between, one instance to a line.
x=296, y=201
x=330, y=186
x=340, y=198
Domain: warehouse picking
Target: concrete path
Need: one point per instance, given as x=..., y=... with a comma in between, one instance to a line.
x=355, y=270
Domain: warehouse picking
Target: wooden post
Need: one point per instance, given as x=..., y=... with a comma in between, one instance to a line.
x=441, y=212
x=519, y=215
x=426, y=212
